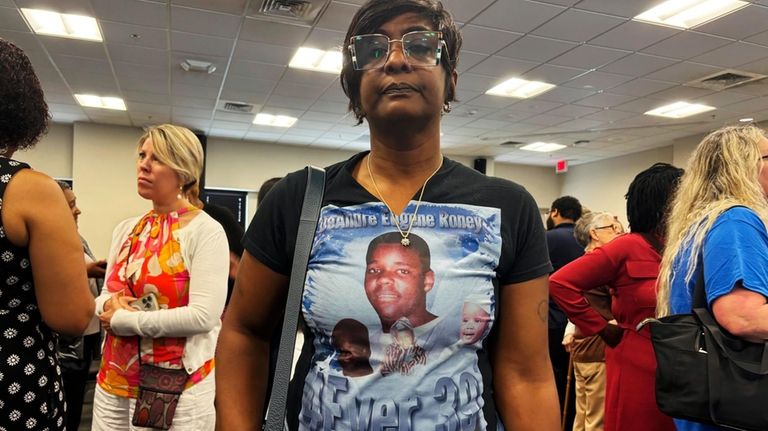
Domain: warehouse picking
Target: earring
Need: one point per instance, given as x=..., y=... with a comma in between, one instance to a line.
x=446, y=107
x=181, y=193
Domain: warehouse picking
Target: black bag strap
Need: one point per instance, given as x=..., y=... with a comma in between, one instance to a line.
x=310, y=211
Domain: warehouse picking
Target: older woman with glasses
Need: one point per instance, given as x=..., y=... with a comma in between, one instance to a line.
x=628, y=265
x=486, y=246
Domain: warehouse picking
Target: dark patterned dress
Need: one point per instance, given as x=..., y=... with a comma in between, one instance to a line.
x=31, y=396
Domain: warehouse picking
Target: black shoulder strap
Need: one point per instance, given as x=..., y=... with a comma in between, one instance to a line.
x=310, y=211
x=699, y=294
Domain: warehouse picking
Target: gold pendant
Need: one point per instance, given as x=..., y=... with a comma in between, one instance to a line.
x=405, y=242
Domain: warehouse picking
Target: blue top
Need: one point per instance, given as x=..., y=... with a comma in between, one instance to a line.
x=734, y=250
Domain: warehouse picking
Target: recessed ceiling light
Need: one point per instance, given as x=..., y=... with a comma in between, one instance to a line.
x=747, y=120
x=274, y=120
x=542, y=147
x=679, y=110
x=317, y=60
x=520, y=88
x=689, y=13
x=62, y=24
x=92, y=101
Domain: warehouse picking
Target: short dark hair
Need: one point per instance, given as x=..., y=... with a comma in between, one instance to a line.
x=265, y=188
x=23, y=112
x=568, y=206
x=372, y=15
x=648, y=197
x=417, y=244
x=64, y=185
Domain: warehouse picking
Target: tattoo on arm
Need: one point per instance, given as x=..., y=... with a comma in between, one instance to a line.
x=543, y=310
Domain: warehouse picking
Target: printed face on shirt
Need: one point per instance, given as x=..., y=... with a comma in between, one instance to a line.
x=474, y=322
x=350, y=339
x=396, y=285
x=155, y=180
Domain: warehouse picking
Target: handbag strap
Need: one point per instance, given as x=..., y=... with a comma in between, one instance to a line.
x=310, y=211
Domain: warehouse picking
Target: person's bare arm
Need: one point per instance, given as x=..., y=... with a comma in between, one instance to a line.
x=743, y=313
x=526, y=397
x=242, y=354
x=36, y=215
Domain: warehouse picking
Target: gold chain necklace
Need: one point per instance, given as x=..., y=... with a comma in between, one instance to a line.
x=404, y=241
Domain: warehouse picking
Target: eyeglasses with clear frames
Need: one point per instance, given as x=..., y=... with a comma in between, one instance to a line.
x=421, y=49
x=615, y=227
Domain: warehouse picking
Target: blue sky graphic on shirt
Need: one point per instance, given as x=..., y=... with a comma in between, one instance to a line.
x=397, y=328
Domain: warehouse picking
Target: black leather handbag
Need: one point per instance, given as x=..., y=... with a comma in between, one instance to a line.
x=704, y=374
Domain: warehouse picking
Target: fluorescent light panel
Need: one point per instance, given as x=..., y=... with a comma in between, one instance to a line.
x=92, y=101
x=317, y=60
x=542, y=147
x=679, y=110
x=520, y=88
x=62, y=24
x=689, y=13
x=274, y=120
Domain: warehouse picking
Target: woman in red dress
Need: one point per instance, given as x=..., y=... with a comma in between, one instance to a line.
x=629, y=265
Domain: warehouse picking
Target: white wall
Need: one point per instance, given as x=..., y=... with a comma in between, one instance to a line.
x=101, y=161
x=601, y=186
x=53, y=154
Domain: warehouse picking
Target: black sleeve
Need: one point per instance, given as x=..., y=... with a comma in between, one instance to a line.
x=271, y=236
x=231, y=227
x=524, y=254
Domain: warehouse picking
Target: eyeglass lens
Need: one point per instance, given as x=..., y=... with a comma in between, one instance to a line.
x=421, y=48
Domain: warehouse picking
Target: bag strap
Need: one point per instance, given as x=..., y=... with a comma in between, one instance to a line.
x=310, y=211
x=699, y=294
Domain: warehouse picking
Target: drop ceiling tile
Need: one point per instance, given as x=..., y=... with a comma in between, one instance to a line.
x=605, y=100
x=262, y=70
x=468, y=59
x=77, y=7
x=760, y=66
x=148, y=108
x=231, y=125
x=633, y=36
x=683, y=72
x=274, y=33
x=204, y=22
x=479, y=83
x=253, y=97
x=68, y=65
x=738, y=25
x=60, y=97
x=536, y=48
x=191, y=123
x=330, y=107
x=249, y=83
x=127, y=70
x=192, y=112
x=610, y=115
x=553, y=74
x=309, y=77
x=138, y=55
x=297, y=90
x=337, y=16
x=622, y=8
x=486, y=40
x=577, y=26
x=463, y=10
x=235, y=117
x=76, y=48
x=193, y=102
x=263, y=52
x=517, y=15
x=572, y=111
x=234, y=7
x=564, y=95
x=597, y=81
x=588, y=57
x=680, y=93
x=10, y=19
x=534, y=106
x=179, y=76
x=502, y=67
x=488, y=101
x=194, y=91
x=144, y=97
x=201, y=45
x=325, y=39
x=734, y=54
x=686, y=45
x=546, y=120
x=92, y=84
x=722, y=99
x=638, y=65
x=313, y=125
x=132, y=12
x=148, y=37
x=133, y=83
x=640, y=106
x=24, y=40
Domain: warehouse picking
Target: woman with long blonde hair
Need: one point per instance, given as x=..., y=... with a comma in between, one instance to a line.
x=718, y=220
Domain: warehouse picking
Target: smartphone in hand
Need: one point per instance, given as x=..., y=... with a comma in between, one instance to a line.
x=147, y=302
